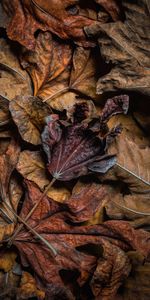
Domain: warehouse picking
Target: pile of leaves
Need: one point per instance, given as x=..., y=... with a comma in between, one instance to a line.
x=74, y=150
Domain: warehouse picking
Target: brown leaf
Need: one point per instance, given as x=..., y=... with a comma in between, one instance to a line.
x=28, y=288
x=110, y=272
x=125, y=44
x=133, y=165
x=50, y=221
x=60, y=18
x=13, y=80
x=56, y=69
x=10, y=191
x=7, y=260
x=29, y=114
x=32, y=167
x=86, y=199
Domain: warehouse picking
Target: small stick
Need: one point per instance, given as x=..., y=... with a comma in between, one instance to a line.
x=32, y=210
x=52, y=249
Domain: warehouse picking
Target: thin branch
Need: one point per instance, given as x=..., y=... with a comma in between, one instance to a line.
x=52, y=249
x=133, y=174
x=3, y=65
x=130, y=209
x=32, y=210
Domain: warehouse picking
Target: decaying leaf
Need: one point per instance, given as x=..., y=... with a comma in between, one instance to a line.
x=133, y=165
x=56, y=69
x=10, y=191
x=29, y=114
x=79, y=148
x=126, y=45
x=60, y=18
x=50, y=221
x=14, y=81
x=28, y=288
x=7, y=260
x=31, y=166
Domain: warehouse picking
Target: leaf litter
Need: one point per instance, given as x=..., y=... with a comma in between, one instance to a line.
x=74, y=150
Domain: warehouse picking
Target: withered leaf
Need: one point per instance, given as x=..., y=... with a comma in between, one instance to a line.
x=28, y=288
x=111, y=7
x=29, y=114
x=31, y=166
x=10, y=191
x=50, y=221
x=55, y=16
x=56, y=69
x=14, y=80
x=79, y=149
x=126, y=45
x=133, y=165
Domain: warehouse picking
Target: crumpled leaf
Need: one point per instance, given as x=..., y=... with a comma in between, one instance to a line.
x=133, y=165
x=10, y=191
x=78, y=149
x=112, y=7
x=13, y=80
x=28, y=288
x=59, y=17
x=32, y=167
x=29, y=114
x=137, y=284
x=85, y=200
x=56, y=69
x=52, y=223
x=126, y=45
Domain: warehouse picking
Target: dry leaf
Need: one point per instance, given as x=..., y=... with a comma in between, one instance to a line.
x=28, y=288
x=50, y=221
x=56, y=69
x=4, y=111
x=31, y=166
x=13, y=80
x=60, y=18
x=10, y=191
x=7, y=260
x=29, y=114
x=126, y=45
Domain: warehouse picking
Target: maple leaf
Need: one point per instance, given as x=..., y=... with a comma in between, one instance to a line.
x=78, y=148
x=51, y=220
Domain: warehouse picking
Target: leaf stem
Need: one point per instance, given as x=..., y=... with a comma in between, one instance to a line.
x=130, y=209
x=133, y=174
x=32, y=210
x=52, y=249
x=59, y=93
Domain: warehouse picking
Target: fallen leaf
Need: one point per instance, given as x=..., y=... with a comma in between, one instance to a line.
x=60, y=18
x=50, y=221
x=56, y=69
x=7, y=260
x=29, y=114
x=79, y=149
x=85, y=200
x=125, y=44
x=133, y=165
x=10, y=191
x=28, y=288
x=31, y=166
x=14, y=80
x=112, y=7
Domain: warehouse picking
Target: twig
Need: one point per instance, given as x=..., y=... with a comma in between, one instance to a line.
x=52, y=249
x=130, y=209
x=32, y=210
